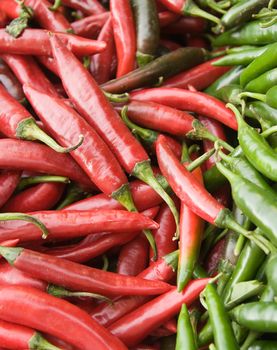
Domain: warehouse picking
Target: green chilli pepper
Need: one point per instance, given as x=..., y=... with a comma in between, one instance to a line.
x=185, y=335
x=263, y=63
x=240, y=13
x=230, y=77
x=230, y=93
x=257, y=316
x=250, y=34
x=263, y=345
x=271, y=273
x=255, y=148
x=259, y=205
x=223, y=333
x=243, y=57
x=147, y=28
x=264, y=82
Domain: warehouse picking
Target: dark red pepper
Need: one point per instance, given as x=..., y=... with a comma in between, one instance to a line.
x=9, y=179
x=90, y=27
x=88, y=7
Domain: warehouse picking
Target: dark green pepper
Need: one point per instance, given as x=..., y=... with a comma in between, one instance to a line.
x=257, y=316
x=185, y=335
x=251, y=33
x=230, y=94
x=264, y=82
x=271, y=272
x=147, y=28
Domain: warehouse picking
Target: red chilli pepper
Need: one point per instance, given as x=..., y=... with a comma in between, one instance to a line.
x=78, y=277
x=135, y=326
x=187, y=24
x=10, y=82
x=100, y=64
x=169, y=44
x=14, y=336
x=93, y=155
x=10, y=8
x=88, y=7
x=27, y=71
x=124, y=35
x=68, y=224
x=96, y=109
x=193, y=101
x=162, y=270
x=40, y=197
x=31, y=156
x=51, y=20
x=197, y=41
x=37, y=309
x=165, y=233
x=167, y=17
x=37, y=42
x=200, y=76
x=8, y=181
x=216, y=129
x=90, y=27
x=97, y=244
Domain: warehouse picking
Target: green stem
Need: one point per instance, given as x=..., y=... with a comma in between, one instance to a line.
x=200, y=160
x=10, y=253
x=149, y=136
x=105, y=262
x=124, y=197
x=57, y=4
x=199, y=132
x=29, y=130
x=37, y=342
x=33, y=180
x=260, y=97
x=117, y=98
x=16, y=26
x=271, y=4
x=25, y=217
x=61, y=292
x=190, y=8
x=144, y=172
x=213, y=5
x=269, y=131
x=73, y=194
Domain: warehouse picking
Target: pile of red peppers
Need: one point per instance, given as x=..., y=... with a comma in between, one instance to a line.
x=138, y=173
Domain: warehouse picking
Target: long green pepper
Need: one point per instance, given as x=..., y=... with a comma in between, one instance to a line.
x=185, y=335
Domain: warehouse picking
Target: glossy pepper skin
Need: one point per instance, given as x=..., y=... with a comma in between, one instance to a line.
x=14, y=336
x=93, y=155
x=256, y=316
x=185, y=335
x=263, y=83
x=80, y=277
x=124, y=35
x=201, y=76
x=27, y=71
x=36, y=42
x=223, y=334
x=9, y=179
x=164, y=66
x=43, y=309
x=90, y=27
x=271, y=272
x=10, y=82
x=89, y=7
x=40, y=197
x=135, y=326
x=161, y=270
x=73, y=223
x=31, y=156
x=193, y=101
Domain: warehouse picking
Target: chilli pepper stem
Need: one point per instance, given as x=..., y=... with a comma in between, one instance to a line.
x=29, y=130
x=190, y=8
x=33, y=180
x=57, y=4
x=38, y=342
x=260, y=97
x=117, y=98
x=199, y=132
x=144, y=172
x=25, y=217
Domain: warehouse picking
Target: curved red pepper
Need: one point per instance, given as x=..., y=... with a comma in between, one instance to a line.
x=200, y=76
x=89, y=27
x=68, y=224
x=187, y=24
x=66, y=125
x=10, y=8
x=197, y=41
x=78, y=277
x=193, y=101
x=40, y=197
x=165, y=233
x=94, y=245
x=124, y=35
x=135, y=326
x=100, y=64
x=167, y=17
x=37, y=42
x=169, y=44
x=185, y=185
x=8, y=181
x=37, y=309
x=27, y=71
x=31, y=156
x=51, y=20
x=105, y=314
x=88, y=7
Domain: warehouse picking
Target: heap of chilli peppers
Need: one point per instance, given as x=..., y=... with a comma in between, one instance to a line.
x=138, y=174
